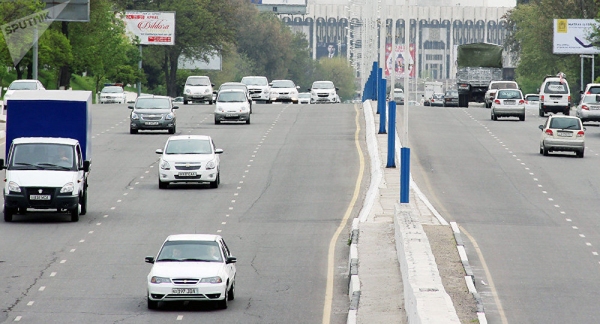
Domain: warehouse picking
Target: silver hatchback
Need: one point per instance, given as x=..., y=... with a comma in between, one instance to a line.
x=562, y=133
x=589, y=108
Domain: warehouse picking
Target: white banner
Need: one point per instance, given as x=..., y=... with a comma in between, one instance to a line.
x=153, y=28
x=571, y=36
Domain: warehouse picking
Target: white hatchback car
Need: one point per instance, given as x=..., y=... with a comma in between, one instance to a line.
x=323, y=92
x=112, y=94
x=304, y=98
x=21, y=85
x=189, y=159
x=508, y=103
x=284, y=91
x=589, y=108
x=232, y=105
x=192, y=267
x=562, y=133
x=198, y=89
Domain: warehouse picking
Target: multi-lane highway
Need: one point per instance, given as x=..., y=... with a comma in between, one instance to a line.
x=287, y=183
x=532, y=220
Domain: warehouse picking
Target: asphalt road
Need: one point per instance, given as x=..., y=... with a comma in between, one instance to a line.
x=532, y=220
x=287, y=180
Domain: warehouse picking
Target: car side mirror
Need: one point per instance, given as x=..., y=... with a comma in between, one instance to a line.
x=218, y=151
x=580, y=91
x=86, y=166
x=541, y=127
x=149, y=259
x=212, y=84
x=2, y=166
x=159, y=151
x=231, y=260
x=308, y=89
x=5, y=88
x=130, y=107
x=175, y=107
x=297, y=87
x=337, y=89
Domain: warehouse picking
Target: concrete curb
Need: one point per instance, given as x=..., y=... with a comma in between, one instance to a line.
x=354, y=282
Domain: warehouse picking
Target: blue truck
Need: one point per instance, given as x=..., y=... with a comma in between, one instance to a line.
x=48, y=152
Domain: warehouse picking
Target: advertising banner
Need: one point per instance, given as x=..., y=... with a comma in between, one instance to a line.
x=396, y=60
x=152, y=28
x=572, y=36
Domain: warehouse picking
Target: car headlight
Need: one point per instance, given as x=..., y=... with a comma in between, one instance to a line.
x=159, y=280
x=169, y=116
x=211, y=164
x=164, y=165
x=212, y=280
x=14, y=187
x=188, y=91
x=67, y=188
x=207, y=90
x=134, y=116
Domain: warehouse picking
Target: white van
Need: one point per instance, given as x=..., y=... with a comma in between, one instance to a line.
x=555, y=95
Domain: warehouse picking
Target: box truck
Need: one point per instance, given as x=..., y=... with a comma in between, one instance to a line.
x=48, y=152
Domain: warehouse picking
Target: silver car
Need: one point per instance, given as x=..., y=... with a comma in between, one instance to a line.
x=239, y=86
x=508, y=103
x=232, y=105
x=562, y=133
x=589, y=108
x=153, y=113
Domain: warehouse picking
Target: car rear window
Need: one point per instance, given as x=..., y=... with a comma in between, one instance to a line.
x=508, y=94
x=565, y=123
x=593, y=90
x=533, y=98
x=504, y=85
x=555, y=87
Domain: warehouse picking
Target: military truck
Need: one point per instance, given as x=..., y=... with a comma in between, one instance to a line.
x=478, y=65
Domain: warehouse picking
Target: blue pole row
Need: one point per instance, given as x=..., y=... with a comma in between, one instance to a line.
x=381, y=103
x=404, y=174
x=391, y=161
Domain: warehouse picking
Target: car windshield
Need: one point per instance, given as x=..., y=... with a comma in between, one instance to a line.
x=398, y=95
x=556, y=87
x=438, y=96
x=188, y=146
x=323, y=85
x=533, y=98
x=451, y=93
x=231, y=96
x=190, y=251
x=565, y=123
x=283, y=84
x=197, y=82
x=112, y=90
x=255, y=81
x=503, y=85
x=42, y=156
x=233, y=86
x=152, y=103
x=23, y=86
x=304, y=95
x=591, y=99
x=509, y=94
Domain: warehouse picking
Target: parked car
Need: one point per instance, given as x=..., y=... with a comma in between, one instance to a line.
x=21, y=85
x=508, y=103
x=451, y=98
x=232, y=105
x=152, y=112
x=588, y=108
x=562, y=133
x=437, y=100
x=304, y=97
x=259, y=88
x=493, y=87
x=112, y=94
x=284, y=91
x=192, y=267
x=532, y=100
x=237, y=85
x=323, y=92
x=198, y=89
x=189, y=159
x=555, y=95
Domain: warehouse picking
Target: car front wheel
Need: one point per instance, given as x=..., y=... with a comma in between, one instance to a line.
x=223, y=304
x=152, y=304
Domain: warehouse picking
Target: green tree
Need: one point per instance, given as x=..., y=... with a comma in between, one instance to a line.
x=340, y=73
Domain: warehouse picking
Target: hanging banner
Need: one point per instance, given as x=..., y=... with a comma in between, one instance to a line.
x=396, y=60
x=573, y=36
x=152, y=28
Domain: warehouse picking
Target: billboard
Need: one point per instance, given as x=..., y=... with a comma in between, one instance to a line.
x=292, y=7
x=152, y=28
x=395, y=60
x=213, y=63
x=330, y=50
x=572, y=36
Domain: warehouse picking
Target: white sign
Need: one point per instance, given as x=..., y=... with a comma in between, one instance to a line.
x=153, y=28
x=571, y=36
x=282, y=2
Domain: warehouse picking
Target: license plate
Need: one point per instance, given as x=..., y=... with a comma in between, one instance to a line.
x=185, y=290
x=39, y=197
x=509, y=102
x=284, y=97
x=594, y=108
x=231, y=115
x=564, y=134
x=187, y=174
x=151, y=123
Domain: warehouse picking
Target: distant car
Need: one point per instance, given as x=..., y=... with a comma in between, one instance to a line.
x=323, y=92
x=555, y=95
x=192, y=267
x=198, y=89
x=178, y=100
x=592, y=88
x=398, y=97
x=112, y=94
x=437, y=100
x=21, y=85
x=189, y=159
x=588, y=108
x=413, y=103
x=232, y=105
x=284, y=91
x=532, y=100
x=493, y=87
x=451, y=98
x=152, y=112
x=304, y=98
x=237, y=85
x=508, y=103
x=259, y=88
x=562, y=133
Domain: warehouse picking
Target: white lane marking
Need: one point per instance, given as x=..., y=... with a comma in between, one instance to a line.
x=137, y=183
x=241, y=181
x=30, y=303
x=142, y=177
x=91, y=232
x=72, y=250
x=119, y=200
x=42, y=288
x=544, y=191
x=223, y=223
x=230, y=208
x=557, y=206
x=239, y=188
x=113, y=208
x=588, y=244
x=235, y=194
x=535, y=179
x=218, y=231
x=179, y=317
x=53, y=274
x=63, y=261
x=575, y=227
x=233, y=201
x=98, y=224
x=568, y=220
x=540, y=185
x=81, y=241
x=562, y=212
x=148, y=171
x=595, y=253
x=125, y=194
x=18, y=318
x=226, y=215
x=105, y=216
x=551, y=199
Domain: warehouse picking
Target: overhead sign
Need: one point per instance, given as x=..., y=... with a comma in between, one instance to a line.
x=74, y=10
x=291, y=7
x=572, y=36
x=152, y=28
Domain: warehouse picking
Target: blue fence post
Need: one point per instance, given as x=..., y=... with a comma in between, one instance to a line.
x=381, y=103
x=404, y=174
x=391, y=161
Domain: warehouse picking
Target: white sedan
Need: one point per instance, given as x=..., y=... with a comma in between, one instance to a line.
x=112, y=94
x=192, y=267
x=189, y=159
x=284, y=91
x=508, y=103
